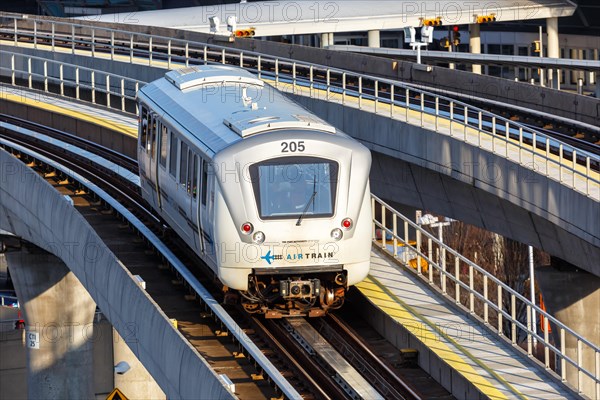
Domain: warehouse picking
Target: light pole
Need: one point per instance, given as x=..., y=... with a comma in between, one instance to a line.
x=434, y=222
x=532, y=293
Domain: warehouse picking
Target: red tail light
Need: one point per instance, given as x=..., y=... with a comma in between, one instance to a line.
x=347, y=223
x=247, y=228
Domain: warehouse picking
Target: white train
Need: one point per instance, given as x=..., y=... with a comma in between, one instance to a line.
x=272, y=198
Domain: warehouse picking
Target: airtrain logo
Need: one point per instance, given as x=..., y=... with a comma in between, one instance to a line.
x=269, y=258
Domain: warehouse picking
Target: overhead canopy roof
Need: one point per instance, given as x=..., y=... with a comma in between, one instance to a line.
x=310, y=16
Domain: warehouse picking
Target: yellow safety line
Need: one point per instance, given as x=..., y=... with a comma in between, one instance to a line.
x=115, y=126
x=428, y=333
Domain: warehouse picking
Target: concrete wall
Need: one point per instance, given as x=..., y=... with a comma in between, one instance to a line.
x=72, y=124
x=32, y=209
x=13, y=369
x=58, y=308
x=13, y=365
x=578, y=309
x=435, y=172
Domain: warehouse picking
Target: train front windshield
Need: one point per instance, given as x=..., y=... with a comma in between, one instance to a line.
x=293, y=186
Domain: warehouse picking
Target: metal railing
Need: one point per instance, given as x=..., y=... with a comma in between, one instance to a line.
x=481, y=293
x=50, y=76
x=532, y=149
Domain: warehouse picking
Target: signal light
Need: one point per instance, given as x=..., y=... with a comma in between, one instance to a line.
x=247, y=228
x=337, y=234
x=346, y=223
x=535, y=46
x=437, y=21
x=245, y=32
x=455, y=35
x=258, y=237
x=484, y=19
x=445, y=42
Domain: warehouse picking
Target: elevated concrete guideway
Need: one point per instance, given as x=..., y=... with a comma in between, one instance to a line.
x=313, y=17
x=532, y=209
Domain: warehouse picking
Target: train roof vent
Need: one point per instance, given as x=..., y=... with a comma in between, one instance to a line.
x=245, y=125
x=191, y=77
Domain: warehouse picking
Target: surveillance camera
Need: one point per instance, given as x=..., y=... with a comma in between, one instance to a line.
x=214, y=24
x=122, y=367
x=231, y=23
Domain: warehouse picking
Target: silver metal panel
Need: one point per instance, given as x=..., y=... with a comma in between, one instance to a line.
x=190, y=77
x=246, y=125
x=343, y=369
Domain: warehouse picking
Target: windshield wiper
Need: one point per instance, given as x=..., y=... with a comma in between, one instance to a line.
x=310, y=201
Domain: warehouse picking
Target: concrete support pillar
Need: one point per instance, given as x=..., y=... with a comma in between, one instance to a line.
x=136, y=383
x=574, y=74
x=553, y=50
x=475, y=44
x=324, y=40
x=331, y=41
x=58, y=308
x=594, y=75
x=574, y=299
x=374, y=39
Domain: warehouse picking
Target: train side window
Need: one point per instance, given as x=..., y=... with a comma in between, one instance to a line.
x=163, y=146
x=204, y=181
x=190, y=172
x=173, y=156
x=153, y=138
x=183, y=163
x=195, y=179
x=149, y=133
x=144, y=128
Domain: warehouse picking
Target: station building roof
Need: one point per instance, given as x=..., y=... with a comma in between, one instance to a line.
x=312, y=17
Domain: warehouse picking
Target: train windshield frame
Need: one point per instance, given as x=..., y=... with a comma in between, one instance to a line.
x=288, y=187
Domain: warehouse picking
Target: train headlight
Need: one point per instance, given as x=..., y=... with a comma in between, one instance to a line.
x=346, y=223
x=258, y=237
x=337, y=234
x=246, y=228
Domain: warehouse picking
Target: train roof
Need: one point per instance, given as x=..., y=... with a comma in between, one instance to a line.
x=220, y=105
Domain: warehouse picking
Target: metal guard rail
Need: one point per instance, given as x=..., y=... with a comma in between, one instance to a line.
x=107, y=84
x=165, y=49
x=396, y=229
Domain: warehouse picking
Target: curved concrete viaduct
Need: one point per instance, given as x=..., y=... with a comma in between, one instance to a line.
x=429, y=170
x=33, y=210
